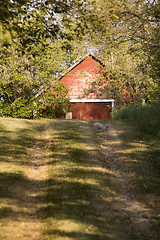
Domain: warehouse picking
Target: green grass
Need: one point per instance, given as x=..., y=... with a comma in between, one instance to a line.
x=80, y=201
x=55, y=184
x=15, y=137
x=141, y=165
x=141, y=139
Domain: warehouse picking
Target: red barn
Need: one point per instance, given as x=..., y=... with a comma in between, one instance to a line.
x=87, y=103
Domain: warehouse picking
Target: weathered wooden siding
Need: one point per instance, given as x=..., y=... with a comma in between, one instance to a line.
x=79, y=78
x=91, y=111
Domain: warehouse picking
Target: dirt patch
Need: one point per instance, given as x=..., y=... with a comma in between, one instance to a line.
x=111, y=145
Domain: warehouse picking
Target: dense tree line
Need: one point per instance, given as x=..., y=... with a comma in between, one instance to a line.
x=39, y=39
x=126, y=37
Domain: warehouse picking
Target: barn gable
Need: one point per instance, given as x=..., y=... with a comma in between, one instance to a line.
x=80, y=76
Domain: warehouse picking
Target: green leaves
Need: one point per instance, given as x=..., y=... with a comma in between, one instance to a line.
x=44, y=37
x=26, y=78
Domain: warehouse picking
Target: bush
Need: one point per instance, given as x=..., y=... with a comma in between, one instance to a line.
x=145, y=117
x=20, y=109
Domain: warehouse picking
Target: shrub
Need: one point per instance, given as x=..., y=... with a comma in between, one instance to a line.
x=19, y=109
x=145, y=117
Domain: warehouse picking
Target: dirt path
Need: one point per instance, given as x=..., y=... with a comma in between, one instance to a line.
x=111, y=144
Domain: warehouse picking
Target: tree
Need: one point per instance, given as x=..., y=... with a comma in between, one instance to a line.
x=33, y=58
x=10, y=9
x=25, y=79
x=125, y=36
x=44, y=37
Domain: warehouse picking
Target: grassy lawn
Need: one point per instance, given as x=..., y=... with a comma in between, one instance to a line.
x=55, y=184
x=140, y=163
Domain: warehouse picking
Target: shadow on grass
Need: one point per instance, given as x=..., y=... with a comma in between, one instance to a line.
x=142, y=158
x=67, y=202
x=141, y=164
x=77, y=202
x=14, y=143
x=7, y=182
x=81, y=201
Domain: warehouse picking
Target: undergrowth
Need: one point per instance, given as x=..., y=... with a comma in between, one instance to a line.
x=145, y=117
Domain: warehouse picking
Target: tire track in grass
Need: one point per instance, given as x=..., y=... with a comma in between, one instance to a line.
x=37, y=176
x=110, y=143
x=24, y=171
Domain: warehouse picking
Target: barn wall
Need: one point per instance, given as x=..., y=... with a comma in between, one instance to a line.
x=91, y=111
x=79, y=78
